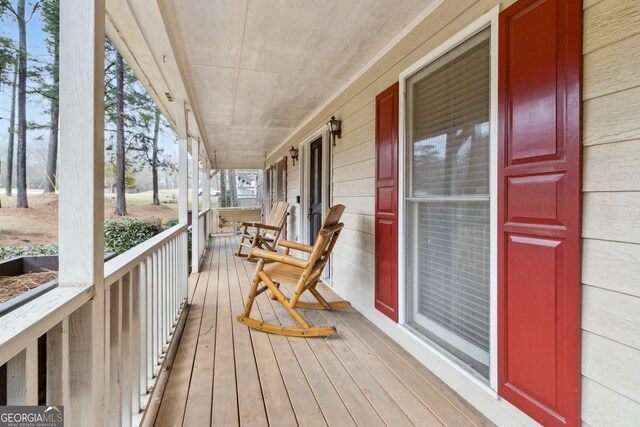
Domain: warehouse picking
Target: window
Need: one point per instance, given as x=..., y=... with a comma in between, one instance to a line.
x=448, y=202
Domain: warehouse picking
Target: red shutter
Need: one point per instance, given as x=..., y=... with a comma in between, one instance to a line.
x=539, y=209
x=386, y=225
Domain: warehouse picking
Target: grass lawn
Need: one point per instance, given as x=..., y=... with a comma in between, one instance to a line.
x=39, y=223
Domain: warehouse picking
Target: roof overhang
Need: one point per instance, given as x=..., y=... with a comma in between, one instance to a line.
x=251, y=71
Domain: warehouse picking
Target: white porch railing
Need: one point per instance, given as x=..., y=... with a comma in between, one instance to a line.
x=145, y=289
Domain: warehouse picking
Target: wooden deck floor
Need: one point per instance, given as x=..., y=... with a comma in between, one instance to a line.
x=225, y=374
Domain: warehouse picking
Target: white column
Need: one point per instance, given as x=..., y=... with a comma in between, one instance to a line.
x=207, y=185
x=207, y=197
x=183, y=166
x=81, y=203
x=195, y=184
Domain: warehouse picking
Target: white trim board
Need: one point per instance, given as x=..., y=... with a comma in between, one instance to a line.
x=303, y=231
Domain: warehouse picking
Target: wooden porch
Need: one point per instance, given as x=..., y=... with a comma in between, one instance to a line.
x=221, y=373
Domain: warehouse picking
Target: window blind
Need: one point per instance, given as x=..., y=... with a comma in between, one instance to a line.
x=448, y=194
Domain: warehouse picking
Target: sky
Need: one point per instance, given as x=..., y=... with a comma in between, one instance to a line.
x=36, y=48
x=36, y=105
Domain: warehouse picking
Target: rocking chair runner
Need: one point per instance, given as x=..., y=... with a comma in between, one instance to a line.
x=304, y=274
x=265, y=236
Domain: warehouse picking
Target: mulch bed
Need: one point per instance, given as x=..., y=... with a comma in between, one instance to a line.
x=12, y=286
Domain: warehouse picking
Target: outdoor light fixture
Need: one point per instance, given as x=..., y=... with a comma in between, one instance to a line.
x=335, y=129
x=294, y=154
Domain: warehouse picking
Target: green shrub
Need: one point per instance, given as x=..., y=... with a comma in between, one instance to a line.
x=171, y=223
x=120, y=235
x=9, y=252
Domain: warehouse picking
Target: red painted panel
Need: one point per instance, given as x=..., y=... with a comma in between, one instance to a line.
x=539, y=155
x=386, y=270
x=386, y=198
x=386, y=223
x=531, y=313
x=533, y=199
x=532, y=72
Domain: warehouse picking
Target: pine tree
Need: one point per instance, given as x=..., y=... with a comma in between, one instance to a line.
x=12, y=132
x=51, y=18
x=133, y=126
x=19, y=14
x=7, y=59
x=150, y=125
x=121, y=201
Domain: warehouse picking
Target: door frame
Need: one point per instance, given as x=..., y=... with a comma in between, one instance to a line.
x=305, y=190
x=489, y=19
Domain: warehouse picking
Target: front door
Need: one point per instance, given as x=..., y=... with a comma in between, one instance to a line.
x=315, y=190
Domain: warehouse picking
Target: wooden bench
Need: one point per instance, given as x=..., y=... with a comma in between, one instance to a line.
x=234, y=217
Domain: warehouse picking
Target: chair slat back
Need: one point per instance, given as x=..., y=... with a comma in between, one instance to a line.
x=278, y=214
x=326, y=239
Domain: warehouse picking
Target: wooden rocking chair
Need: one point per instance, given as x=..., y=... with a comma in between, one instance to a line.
x=304, y=274
x=264, y=236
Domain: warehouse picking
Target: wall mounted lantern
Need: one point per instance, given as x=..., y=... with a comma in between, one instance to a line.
x=335, y=128
x=294, y=154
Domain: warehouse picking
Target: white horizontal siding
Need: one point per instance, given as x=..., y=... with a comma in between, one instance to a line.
x=612, y=314
x=611, y=69
x=611, y=214
x=364, y=223
x=611, y=364
x=353, y=155
x=611, y=118
x=602, y=406
x=609, y=21
x=606, y=172
x=611, y=265
x=358, y=170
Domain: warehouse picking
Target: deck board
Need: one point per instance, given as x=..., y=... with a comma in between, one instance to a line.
x=198, y=407
x=251, y=408
x=227, y=374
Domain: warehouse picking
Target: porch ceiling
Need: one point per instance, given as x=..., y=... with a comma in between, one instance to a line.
x=254, y=70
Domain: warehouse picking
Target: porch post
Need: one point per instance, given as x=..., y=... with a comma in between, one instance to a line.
x=183, y=166
x=81, y=204
x=207, y=184
x=205, y=198
x=195, y=210
x=183, y=188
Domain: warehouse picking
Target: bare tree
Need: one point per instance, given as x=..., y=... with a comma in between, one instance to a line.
x=233, y=187
x=21, y=179
x=51, y=15
x=12, y=131
x=154, y=157
x=222, y=201
x=121, y=201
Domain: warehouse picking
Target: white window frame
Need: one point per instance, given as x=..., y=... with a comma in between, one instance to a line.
x=489, y=19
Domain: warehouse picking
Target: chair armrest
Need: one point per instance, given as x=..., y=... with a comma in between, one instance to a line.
x=259, y=225
x=296, y=246
x=330, y=230
x=278, y=257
